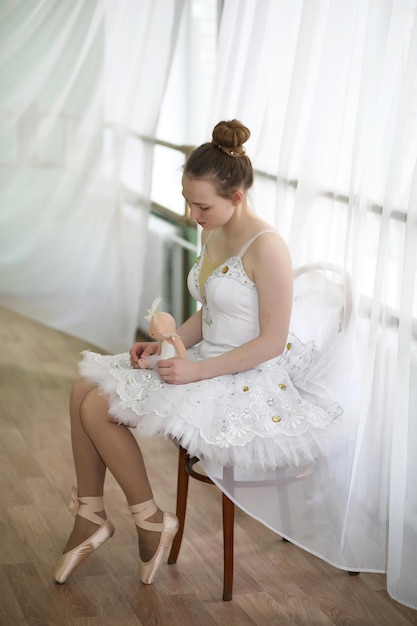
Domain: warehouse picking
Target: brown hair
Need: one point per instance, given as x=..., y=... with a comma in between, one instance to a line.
x=223, y=160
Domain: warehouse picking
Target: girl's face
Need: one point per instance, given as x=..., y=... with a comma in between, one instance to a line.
x=207, y=208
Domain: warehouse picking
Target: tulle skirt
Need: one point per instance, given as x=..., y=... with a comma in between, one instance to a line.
x=279, y=414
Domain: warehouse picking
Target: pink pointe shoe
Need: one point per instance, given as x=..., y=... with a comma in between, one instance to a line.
x=148, y=570
x=87, y=507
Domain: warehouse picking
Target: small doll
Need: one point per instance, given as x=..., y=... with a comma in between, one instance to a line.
x=162, y=327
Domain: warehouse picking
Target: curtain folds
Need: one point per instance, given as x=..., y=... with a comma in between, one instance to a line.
x=75, y=79
x=328, y=89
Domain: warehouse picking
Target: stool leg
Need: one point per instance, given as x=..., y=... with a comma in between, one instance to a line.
x=228, y=548
x=182, y=493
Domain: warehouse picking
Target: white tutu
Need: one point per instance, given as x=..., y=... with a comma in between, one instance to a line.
x=254, y=418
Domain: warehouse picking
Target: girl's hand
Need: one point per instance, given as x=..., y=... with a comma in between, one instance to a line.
x=140, y=350
x=177, y=371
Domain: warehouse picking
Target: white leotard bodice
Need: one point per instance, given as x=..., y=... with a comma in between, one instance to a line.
x=229, y=301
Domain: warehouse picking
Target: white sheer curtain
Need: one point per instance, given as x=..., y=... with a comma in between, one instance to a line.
x=75, y=77
x=329, y=90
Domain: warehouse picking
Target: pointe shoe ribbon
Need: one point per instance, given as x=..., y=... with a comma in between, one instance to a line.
x=75, y=500
x=87, y=506
x=126, y=511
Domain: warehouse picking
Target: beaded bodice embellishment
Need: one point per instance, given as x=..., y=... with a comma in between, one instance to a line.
x=232, y=269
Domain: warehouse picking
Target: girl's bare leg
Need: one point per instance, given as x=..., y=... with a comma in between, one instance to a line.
x=99, y=443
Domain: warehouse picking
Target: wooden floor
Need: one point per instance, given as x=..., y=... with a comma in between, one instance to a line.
x=275, y=582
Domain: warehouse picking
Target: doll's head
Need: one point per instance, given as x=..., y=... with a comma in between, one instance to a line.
x=161, y=325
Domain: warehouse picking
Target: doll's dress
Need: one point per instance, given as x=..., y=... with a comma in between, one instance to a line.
x=167, y=352
x=278, y=414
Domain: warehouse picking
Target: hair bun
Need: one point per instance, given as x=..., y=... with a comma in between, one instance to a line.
x=230, y=136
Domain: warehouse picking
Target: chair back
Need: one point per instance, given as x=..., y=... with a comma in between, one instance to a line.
x=322, y=305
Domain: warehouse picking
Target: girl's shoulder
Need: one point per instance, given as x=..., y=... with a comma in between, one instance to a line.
x=264, y=237
x=264, y=253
